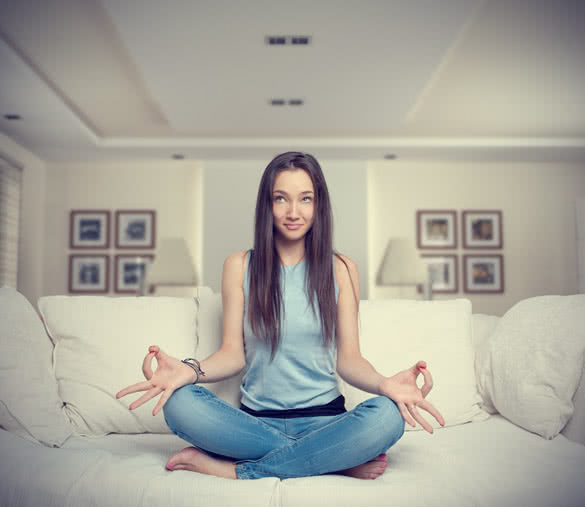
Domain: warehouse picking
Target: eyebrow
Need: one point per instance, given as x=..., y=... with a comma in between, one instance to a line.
x=283, y=192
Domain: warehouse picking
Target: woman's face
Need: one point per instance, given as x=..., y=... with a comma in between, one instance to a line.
x=293, y=204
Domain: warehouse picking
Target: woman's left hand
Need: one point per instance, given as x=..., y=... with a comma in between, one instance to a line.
x=402, y=389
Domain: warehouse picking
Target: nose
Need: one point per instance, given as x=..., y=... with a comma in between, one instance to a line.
x=293, y=211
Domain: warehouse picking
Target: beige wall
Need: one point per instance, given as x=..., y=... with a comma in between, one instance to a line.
x=172, y=188
x=538, y=202
x=32, y=216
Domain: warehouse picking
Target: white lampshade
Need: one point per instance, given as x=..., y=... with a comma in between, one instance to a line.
x=172, y=264
x=402, y=264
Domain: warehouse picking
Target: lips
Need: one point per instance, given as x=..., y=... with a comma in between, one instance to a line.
x=293, y=227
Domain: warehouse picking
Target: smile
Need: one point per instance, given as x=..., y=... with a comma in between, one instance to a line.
x=293, y=227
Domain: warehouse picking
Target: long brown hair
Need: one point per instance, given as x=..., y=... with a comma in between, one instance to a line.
x=265, y=293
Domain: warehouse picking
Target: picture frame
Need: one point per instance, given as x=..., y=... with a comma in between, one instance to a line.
x=482, y=229
x=89, y=229
x=128, y=270
x=483, y=274
x=436, y=229
x=444, y=273
x=135, y=229
x=88, y=273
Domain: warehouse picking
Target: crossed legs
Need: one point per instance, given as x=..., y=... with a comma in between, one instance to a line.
x=238, y=445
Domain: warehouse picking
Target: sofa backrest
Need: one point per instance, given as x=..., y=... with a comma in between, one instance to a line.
x=200, y=332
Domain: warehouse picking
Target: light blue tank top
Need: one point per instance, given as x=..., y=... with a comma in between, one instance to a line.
x=302, y=373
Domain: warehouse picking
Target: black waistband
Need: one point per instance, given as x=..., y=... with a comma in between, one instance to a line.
x=335, y=407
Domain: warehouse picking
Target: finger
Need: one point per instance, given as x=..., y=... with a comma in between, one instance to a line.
x=145, y=397
x=430, y=408
x=406, y=414
x=163, y=399
x=157, y=350
x=147, y=365
x=134, y=388
x=428, y=384
x=420, y=419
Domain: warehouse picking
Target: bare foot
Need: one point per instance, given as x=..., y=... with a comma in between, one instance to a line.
x=370, y=470
x=195, y=460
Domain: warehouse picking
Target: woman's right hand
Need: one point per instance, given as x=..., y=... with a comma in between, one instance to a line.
x=170, y=375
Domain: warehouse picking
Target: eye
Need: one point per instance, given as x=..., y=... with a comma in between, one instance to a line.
x=307, y=197
x=278, y=197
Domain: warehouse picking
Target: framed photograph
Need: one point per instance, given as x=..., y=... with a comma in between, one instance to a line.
x=89, y=228
x=88, y=274
x=436, y=228
x=443, y=272
x=483, y=274
x=135, y=228
x=482, y=229
x=128, y=270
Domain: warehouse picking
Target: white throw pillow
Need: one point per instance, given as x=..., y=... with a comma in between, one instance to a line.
x=100, y=343
x=209, y=339
x=29, y=403
x=396, y=333
x=534, y=362
x=483, y=327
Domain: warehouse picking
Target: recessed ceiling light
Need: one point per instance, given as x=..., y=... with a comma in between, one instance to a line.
x=277, y=102
x=12, y=117
x=390, y=156
x=295, y=102
x=287, y=40
x=178, y=156
x=275, y=40
x=300, y=40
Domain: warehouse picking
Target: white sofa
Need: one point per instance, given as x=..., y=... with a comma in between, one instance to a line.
x=511, y=390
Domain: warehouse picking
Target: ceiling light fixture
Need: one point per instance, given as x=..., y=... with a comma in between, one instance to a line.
x=291, y=40
x=13, y=117
x=390, y=156
x=178, y=156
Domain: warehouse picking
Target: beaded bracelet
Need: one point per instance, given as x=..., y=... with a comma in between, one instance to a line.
x=196, y=367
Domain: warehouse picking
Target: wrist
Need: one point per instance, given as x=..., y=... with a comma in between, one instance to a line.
x=195, y=365
x=385, y=387
x=191, y=375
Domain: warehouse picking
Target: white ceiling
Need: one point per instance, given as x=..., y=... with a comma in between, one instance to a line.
x=143, y=79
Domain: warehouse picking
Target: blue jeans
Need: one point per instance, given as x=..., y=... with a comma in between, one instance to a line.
x=284, y=448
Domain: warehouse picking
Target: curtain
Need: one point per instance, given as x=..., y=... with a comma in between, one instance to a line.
x=10, y=195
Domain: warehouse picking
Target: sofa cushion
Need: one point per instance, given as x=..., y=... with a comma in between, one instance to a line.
x=534, y=362
x=483, y=326
x=100, y=343
x=29, y=403
x=396, y=333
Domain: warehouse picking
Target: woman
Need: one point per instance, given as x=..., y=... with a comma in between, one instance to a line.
x=298, y=302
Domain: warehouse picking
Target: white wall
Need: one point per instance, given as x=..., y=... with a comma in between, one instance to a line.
x=32, y=217
x=229, y=202
x=172, y=188
x=538, y=204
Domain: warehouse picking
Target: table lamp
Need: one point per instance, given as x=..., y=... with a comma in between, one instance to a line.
x=172, y=265
x=402, y=265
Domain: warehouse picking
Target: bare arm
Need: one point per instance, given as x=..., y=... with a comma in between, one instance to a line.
x=359, y=372
x=351, y=365
x=229, y=360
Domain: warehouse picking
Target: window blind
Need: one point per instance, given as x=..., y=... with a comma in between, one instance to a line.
x=10, y=196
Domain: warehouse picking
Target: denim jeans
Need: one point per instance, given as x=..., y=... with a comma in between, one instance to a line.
x=278, y=447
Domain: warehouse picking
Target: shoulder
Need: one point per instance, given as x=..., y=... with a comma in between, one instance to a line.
x=346, y=271
x=344, y=265
x=234, y=266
